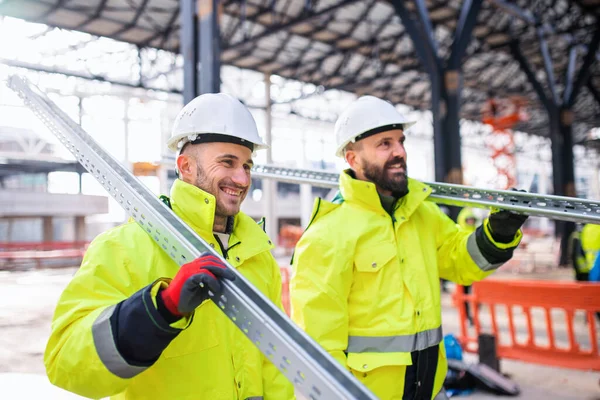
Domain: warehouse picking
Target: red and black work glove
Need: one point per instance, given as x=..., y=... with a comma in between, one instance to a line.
x=190, y=286
x=505, y=224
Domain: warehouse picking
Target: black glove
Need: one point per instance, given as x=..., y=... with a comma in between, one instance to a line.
x=505, y=224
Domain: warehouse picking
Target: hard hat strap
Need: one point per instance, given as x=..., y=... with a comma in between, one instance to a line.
x=377, y=130
x=217, y=137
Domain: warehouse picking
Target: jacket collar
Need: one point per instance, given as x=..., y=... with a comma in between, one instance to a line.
x=197, y=209
x=365, y=195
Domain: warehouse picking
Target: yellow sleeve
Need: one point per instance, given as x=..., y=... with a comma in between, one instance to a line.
x=81, y=355
x=71, y=359
x=275, y=385
x=319, y=290
x=458, y=256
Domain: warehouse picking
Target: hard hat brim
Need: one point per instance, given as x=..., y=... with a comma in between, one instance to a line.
x=373, y=131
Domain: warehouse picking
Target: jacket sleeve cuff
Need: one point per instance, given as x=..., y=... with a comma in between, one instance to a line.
x=159, y=285
x=487, y=254
x=503, y=246
x=130, y=336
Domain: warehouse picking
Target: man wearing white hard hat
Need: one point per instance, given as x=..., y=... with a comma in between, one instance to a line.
x=365, y=282
x=132, y=324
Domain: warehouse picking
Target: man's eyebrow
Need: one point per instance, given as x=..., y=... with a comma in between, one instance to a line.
x=222, y=156
x=385, y=138
x=390, y=138
x=234, y=157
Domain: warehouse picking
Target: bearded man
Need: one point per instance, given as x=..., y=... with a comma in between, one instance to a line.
x=366, y=272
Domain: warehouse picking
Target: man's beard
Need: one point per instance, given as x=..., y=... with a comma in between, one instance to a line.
x=202, y=182
x=397, y=183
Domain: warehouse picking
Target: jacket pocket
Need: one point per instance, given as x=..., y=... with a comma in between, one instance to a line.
x=364, y=362
x=371, y=257
x=201, y=335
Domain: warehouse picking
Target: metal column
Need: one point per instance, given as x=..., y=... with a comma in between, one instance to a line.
x=210, y=46
x=446, y=83
x=188, y=46
x=269, y=186
x=200, y=47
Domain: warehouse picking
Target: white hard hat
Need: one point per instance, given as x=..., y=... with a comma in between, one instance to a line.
x=366, y=115
x=215, y=117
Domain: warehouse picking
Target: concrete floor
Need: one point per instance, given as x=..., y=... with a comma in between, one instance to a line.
x=28, y=298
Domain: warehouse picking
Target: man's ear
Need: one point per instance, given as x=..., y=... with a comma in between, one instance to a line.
x=186, y=166
x=351, y=158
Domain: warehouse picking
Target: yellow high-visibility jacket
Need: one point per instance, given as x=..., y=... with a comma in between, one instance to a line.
x=209, y=358
x=590, y=244
x=365, y=285
x=463, y=215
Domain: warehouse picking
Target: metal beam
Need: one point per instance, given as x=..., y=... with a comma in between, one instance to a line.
x=524, y=64
x=93, y=16
x=261, y=11
x=584, y=72
x=548, y=65
x=424, y=50
x=138, y=13
x=165, y=32
x=189, y=45
x=210, y=46
x=593, y=91
x=349, y=34
x=49, y=70
x=514, y=10
x=287, y=26
x=427, y=33
x=570, y=74
x=464, y=31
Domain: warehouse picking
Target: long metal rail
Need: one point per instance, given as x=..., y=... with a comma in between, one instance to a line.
x=312, y=371
x=532, y=204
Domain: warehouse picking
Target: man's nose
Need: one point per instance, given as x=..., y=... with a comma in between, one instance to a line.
x=399, y=151
x=241, y=177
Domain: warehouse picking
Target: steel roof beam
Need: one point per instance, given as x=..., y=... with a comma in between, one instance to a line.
x=584, y=72
x=593, y=91
x=288, y=25
x=92, y=17
x=138, y=13
x=515, y=11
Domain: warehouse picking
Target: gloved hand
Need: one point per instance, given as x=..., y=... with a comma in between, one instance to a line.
x=190, y=286
x=505, y=224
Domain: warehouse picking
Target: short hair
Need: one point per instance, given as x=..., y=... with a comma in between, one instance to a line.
x=353, y=146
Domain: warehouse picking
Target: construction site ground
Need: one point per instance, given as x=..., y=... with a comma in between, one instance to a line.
x=28, y=298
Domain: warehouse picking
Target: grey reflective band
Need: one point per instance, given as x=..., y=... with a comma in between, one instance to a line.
x=477, y=256
x=107, y=349
x=395, y=344
x=254, y=398
x=441, y=395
